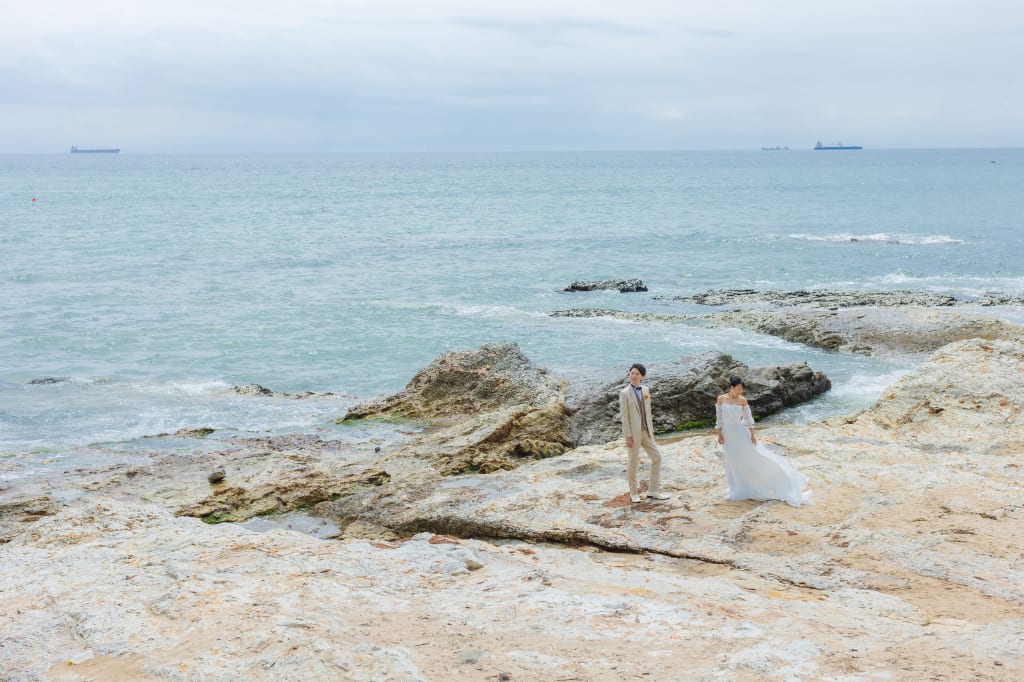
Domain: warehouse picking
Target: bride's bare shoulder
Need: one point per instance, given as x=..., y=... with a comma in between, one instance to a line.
x=721, y=398
x=743, y=401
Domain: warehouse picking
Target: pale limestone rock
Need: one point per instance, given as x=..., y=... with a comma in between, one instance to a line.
x=908, y=566
x=870, y=331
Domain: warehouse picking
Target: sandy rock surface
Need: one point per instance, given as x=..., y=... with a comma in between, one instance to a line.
x=908, y=566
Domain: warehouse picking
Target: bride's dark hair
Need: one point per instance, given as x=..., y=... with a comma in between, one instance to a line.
x=735, y=381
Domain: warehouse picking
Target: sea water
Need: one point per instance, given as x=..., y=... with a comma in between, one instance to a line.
x=136, y=290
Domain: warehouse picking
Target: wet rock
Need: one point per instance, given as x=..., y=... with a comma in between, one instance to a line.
x=201, y=432
x=253, y=390
x=47, y=381
x=216, y=476
x=994, y=298
x=684, y=395
x=620, y=285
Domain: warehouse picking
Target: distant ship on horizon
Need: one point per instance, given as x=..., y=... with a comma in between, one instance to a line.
x=76, y=150
x=839, y=145
x=774, y=149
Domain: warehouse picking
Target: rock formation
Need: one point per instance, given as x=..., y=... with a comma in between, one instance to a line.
x=684, y=395
x=495, y=408
x=621, y=285
x=870, y=330
x=489, y=408
x=819, y=298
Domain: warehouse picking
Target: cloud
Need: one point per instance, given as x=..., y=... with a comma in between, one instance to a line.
x=452, y=74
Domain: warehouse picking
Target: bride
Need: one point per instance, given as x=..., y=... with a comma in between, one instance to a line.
x=752, y=471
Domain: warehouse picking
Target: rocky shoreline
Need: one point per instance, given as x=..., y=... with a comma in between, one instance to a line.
x=878, y=323
x=822, y=298
x=494, y=540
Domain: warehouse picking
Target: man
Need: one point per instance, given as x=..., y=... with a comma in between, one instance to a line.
x=638, y=430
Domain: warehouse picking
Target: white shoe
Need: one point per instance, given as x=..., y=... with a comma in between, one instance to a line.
x=634, y=498
x=659, y=497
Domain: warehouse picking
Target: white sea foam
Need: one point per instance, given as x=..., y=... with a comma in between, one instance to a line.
x=862, y=386
x=959, y=285
x=192, y=388
x=879, y=238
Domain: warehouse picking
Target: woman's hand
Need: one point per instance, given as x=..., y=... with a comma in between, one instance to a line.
x=721, y=441
x=753, y=438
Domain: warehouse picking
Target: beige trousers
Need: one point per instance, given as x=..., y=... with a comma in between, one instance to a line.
x=648, y=444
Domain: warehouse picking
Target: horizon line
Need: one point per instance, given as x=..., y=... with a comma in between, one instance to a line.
x=514, y=151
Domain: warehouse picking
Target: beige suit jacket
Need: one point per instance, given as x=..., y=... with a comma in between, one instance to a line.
x=629, y=410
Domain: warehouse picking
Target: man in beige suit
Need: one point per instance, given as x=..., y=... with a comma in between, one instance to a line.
x=638, y=430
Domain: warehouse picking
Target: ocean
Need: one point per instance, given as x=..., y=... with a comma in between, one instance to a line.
x=136, y=290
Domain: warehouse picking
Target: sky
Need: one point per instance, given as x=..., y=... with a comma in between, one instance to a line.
x=470, y=75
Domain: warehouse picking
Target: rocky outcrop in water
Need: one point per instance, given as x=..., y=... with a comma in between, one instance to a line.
x=620, y=285
x=818, y=298
x=490, y=407
x=870, y=330
x=621, y=315
x=256, y=390
x=821, y=298
x=495, y=408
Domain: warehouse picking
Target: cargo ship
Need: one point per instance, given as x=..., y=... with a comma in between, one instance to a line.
x=831, y=147
x=76, y=150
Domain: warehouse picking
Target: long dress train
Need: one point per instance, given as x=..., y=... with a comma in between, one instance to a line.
x=754, y=472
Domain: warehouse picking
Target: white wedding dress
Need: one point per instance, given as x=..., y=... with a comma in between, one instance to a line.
x=754, y=472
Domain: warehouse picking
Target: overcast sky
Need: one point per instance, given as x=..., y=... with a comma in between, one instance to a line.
x=392, y=75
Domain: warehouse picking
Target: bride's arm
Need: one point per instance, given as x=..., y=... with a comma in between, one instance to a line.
x=718, y=421
x=748, y=421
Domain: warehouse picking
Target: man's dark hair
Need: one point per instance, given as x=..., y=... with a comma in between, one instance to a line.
x=638, y=367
